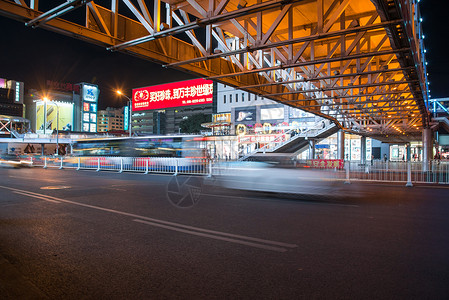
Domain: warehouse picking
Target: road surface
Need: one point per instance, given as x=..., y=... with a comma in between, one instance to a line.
x=67, y=234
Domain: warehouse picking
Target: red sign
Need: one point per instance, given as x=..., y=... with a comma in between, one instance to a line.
x=265, y=138
x=183, y=93
x=327, y=163
x=63, y=86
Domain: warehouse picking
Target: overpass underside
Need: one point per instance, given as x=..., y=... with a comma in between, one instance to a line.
x=359, y=63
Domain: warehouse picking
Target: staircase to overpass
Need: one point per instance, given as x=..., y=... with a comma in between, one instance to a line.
x=297, y=143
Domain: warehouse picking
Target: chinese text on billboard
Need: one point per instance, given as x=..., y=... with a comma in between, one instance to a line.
x=190, y=92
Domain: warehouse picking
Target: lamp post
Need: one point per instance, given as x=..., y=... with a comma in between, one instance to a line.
x=57, y=121
x=130, y=109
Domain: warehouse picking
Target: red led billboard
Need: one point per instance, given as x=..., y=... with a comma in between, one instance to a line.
x=182, y=93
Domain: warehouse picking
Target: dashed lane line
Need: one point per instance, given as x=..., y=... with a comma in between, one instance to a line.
x=224, y=236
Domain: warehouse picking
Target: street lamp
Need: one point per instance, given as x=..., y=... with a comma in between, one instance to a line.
x=130, y=108
x=57, y=121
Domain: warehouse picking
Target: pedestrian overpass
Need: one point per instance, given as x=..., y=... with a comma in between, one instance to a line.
x=358, y=63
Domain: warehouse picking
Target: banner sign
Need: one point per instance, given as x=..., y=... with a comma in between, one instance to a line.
x=327, y=163
x=265, y=138
x=183, y=93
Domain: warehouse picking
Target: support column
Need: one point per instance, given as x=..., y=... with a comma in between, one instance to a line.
x=363, y=150
x=311, y=149
x=427, y=143
x=341, y=144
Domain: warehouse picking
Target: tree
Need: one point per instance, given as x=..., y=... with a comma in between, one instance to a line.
x=193, y=123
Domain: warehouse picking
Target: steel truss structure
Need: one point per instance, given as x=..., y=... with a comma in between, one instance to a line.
x=359, y=63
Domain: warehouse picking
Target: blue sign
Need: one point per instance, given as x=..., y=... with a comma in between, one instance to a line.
x=126, y=119
x=90, y=93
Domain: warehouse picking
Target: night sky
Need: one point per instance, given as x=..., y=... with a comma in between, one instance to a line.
x=36, y=55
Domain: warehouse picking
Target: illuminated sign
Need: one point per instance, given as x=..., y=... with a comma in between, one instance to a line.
x=261, y=138
x=51, y=116
x=221, y=118
x=183, y=93
x=327, y=163
x=63, y=86
x=2, y=83
x=17, y=98
x=90, y=93
x=126, y=118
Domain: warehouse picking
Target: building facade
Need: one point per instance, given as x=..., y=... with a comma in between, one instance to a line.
x=11, y=98
x=69, y=107
x=110, y=119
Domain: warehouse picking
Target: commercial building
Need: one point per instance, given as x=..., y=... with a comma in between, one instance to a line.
x=247, y=121
x=110, y=119
x=160, y=109
x=69, y=107
x=11, y=98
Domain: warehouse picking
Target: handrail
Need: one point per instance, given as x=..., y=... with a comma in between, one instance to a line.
x=309, y=132
x=265, y=147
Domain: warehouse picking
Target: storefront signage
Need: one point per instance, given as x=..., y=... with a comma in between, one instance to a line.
x=327, y=163
x=222, y=118
x=183, y=93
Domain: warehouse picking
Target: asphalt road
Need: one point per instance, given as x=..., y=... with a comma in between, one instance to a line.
x=67, y=234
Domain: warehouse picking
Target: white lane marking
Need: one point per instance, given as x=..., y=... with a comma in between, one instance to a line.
x=34, y=196
x=56, y=187
x=248, y=238
x=262, y=246
x=115, y=189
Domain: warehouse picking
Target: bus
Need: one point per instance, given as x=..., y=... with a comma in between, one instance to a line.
x=186, y=146
x=144, y=152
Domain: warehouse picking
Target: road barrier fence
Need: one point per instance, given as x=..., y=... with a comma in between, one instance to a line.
x=407, y=172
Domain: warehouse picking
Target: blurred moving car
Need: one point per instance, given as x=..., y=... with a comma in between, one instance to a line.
x=14, y=161
x=265, y=177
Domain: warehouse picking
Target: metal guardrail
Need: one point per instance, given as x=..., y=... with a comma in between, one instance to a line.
x=410, y=172
x=434, y=172
x=168, y=165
